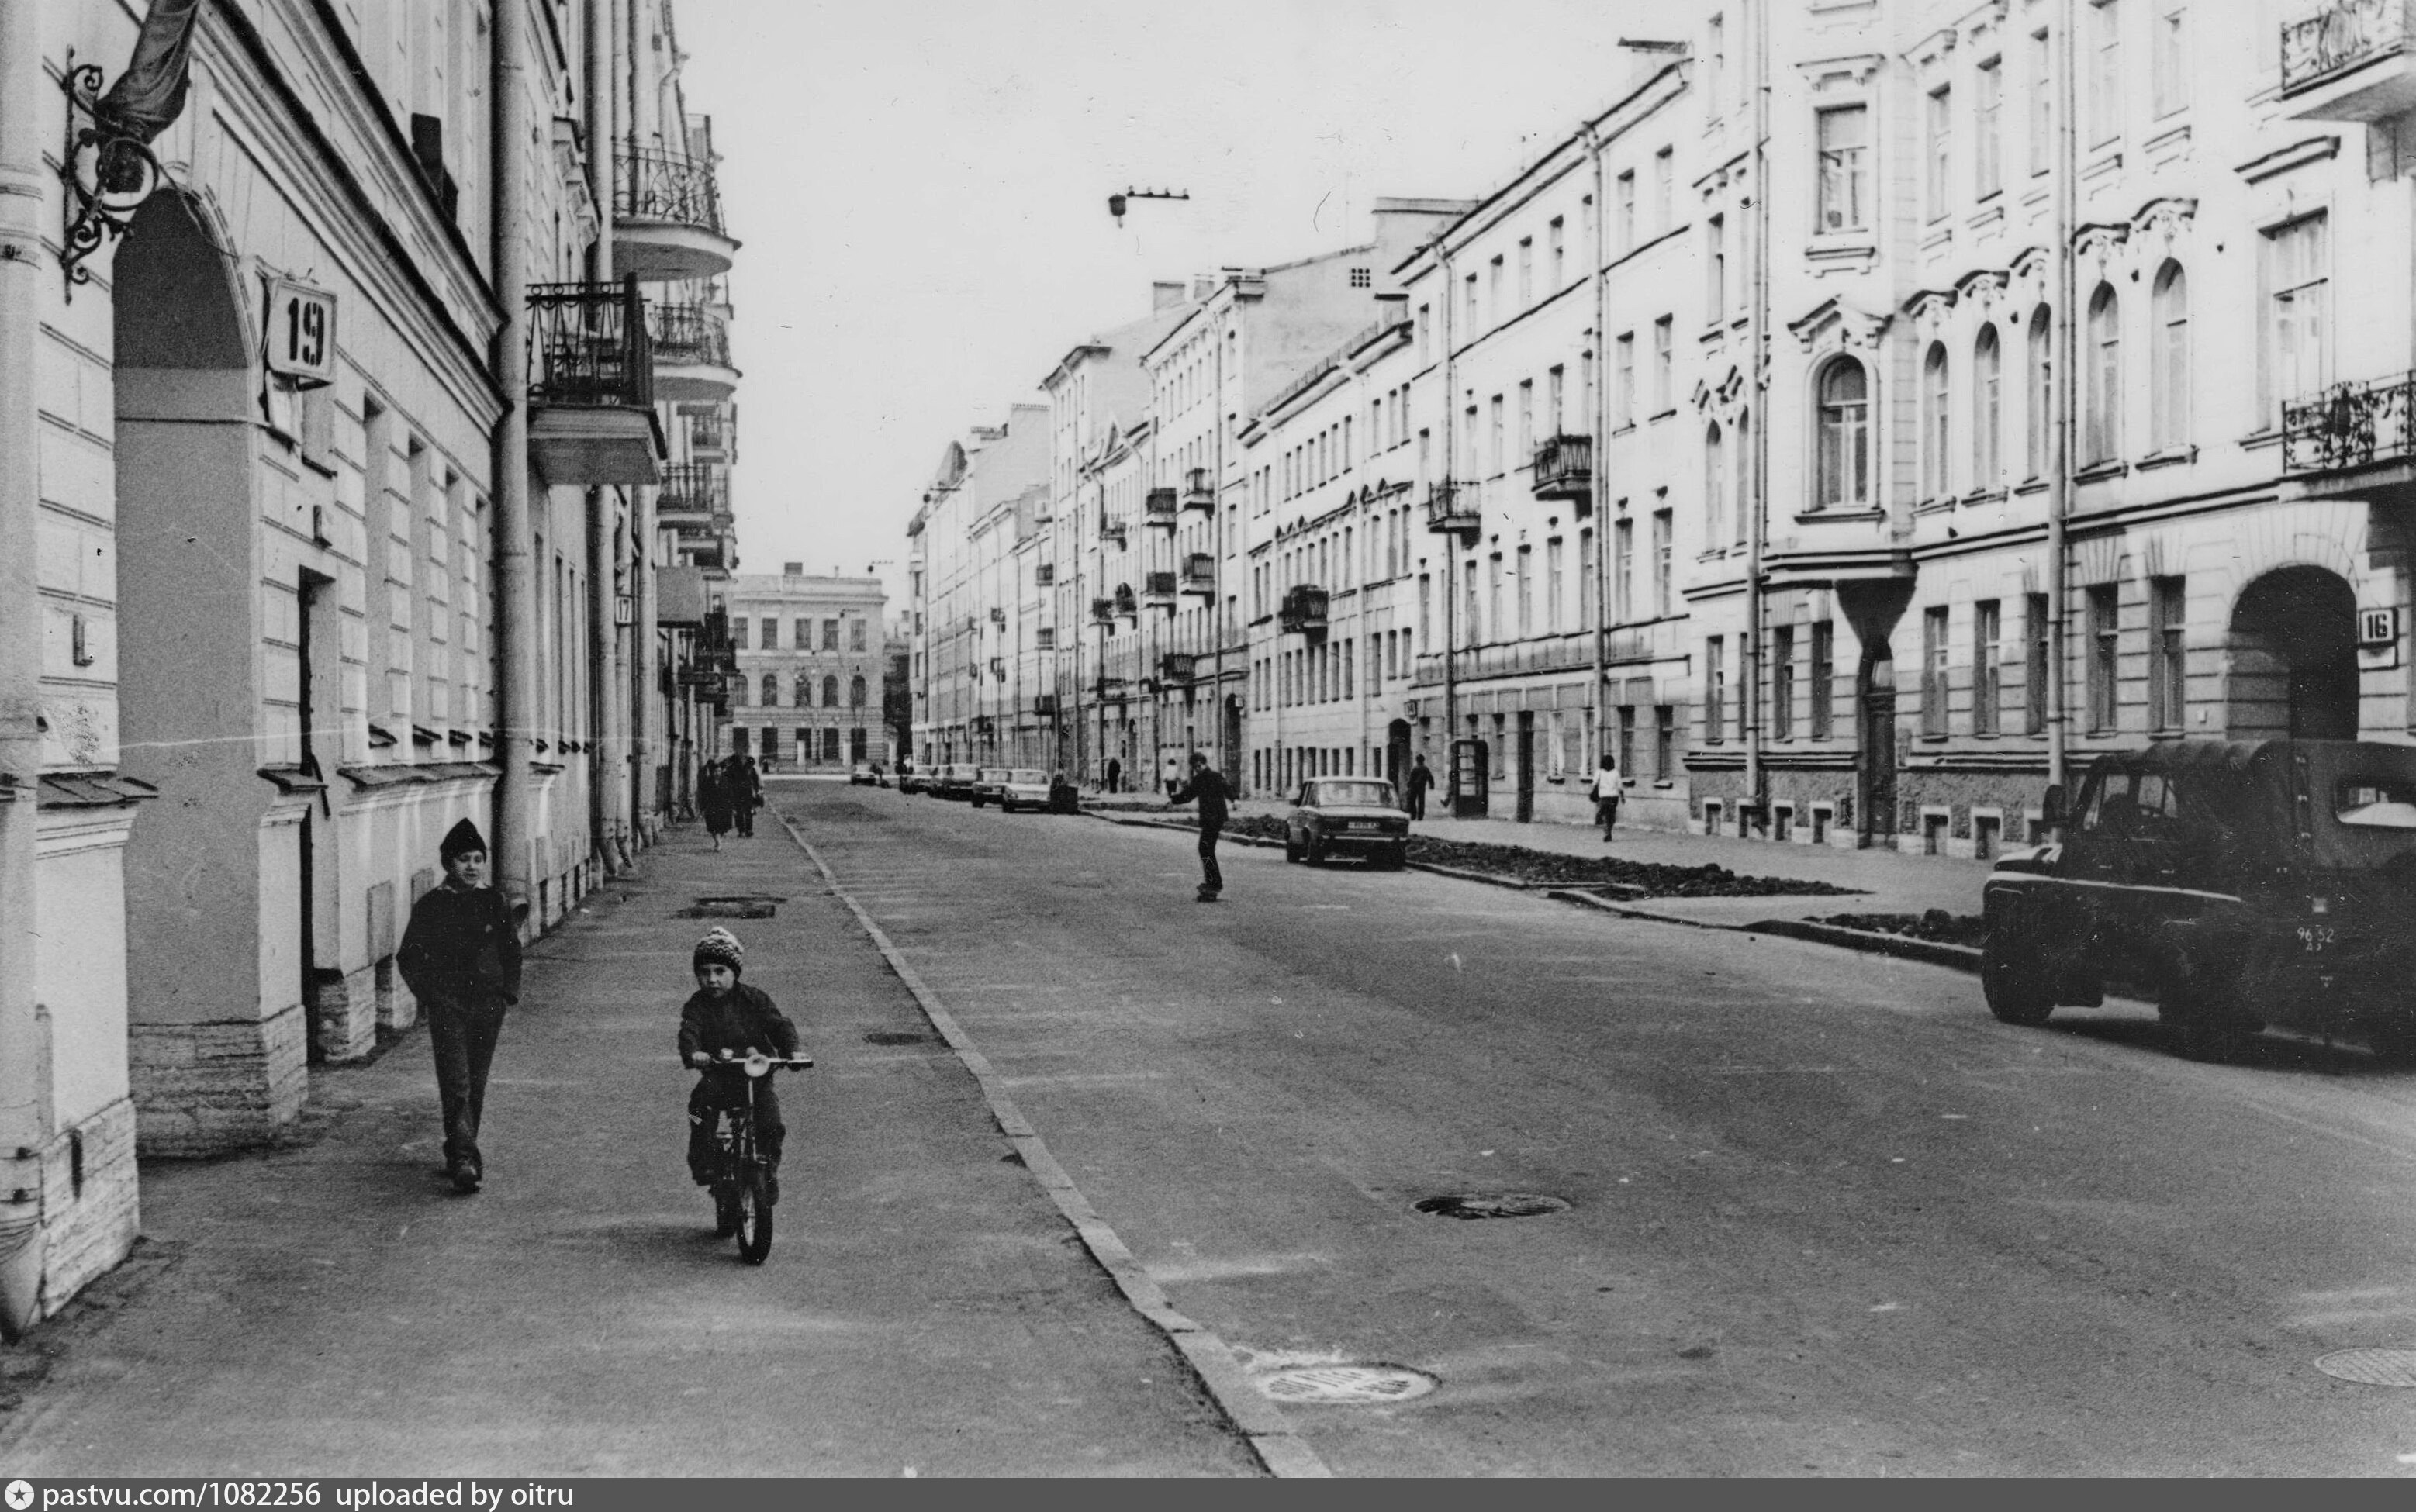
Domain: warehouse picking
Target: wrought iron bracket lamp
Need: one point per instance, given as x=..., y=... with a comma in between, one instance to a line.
x=108, y=172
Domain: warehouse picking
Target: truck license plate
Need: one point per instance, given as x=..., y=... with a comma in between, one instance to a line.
x=2314, y=938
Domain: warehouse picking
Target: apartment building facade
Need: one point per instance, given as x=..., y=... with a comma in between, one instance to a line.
x=808, y=648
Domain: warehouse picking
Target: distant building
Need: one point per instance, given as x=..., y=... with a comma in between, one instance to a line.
x=810, y=654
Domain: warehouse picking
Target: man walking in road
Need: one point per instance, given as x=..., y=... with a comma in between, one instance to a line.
x=1207, y=785
x=1420, y=780
x=460, y=957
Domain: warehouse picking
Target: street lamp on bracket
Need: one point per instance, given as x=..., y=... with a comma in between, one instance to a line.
x=1117, y=202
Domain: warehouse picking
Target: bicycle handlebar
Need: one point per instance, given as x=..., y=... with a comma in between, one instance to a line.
x=755, y=1064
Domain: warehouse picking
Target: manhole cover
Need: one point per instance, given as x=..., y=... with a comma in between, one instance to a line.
x=2371, y=1367
x=746, y=908
x=1493, y=1204
x=896, y=1037
x=1346, y=1384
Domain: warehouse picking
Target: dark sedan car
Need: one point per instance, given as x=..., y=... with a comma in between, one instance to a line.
x=1347, y=816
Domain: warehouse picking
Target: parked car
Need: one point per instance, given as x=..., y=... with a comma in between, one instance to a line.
x=912, y=779
x=2244, y=883
x=955, y=781
x=990, y=785
x=1347, y=816
x=1025, y=787
x=866, y=775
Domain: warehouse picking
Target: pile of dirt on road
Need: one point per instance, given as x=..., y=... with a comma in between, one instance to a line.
x=1544, y=868
x=1936, y=924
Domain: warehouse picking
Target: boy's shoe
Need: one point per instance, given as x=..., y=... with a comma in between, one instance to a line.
x=465, y=1176
x=1207, y=895
x=771, y=1189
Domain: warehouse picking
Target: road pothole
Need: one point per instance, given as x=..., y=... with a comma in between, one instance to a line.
x=1475, y=1205
x=2371, y=1367
x=746, y=907
x=896, y=1037
x=1346, y=1384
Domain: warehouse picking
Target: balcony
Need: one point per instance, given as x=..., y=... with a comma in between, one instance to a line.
x=1564, y=470
x=1158, y=507
x=591, y=393
x=711, y=432
x=1200, y=574
x=1178, y=666
x=1452, y=506
x=2349, y=428
x=2348, y=61
x=693, y=495
x=1127, y=605
x=1157, y=588
x=692, y=351
x=1112, y=532
x=1103, y=611
x=1302, y=609
x=1197, y=491
x=667, y=216
x=997, y=615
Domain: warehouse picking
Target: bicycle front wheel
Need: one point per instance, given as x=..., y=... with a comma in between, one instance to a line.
x=754, y=1220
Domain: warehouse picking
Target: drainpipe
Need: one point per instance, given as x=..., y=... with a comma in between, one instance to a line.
x=515, y=587
x=639, y=119
x=1216, y=540
x=2059, y=499
x=25, y=1093
x=608, y=689
x=1598, y=482
x=1756, y=460
x=1450, y=540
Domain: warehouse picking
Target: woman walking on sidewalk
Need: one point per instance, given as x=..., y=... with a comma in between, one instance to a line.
x=1606, y=796
x=713, y=799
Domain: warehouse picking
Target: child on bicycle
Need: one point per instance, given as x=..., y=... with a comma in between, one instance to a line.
x=724, y=1014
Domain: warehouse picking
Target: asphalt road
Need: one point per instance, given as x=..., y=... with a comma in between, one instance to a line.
x=1824, y=1214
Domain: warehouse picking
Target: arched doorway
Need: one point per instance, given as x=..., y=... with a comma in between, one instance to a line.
x=217, y=867
x=1877, y=746
x=1397, y=756
x=2292, y=663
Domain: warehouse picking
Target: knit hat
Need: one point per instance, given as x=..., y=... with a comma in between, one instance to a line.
x=720, y=948
x=462, y=836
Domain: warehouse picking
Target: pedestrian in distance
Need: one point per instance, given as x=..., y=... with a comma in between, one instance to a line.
x=725, y=1014
x=1207, y=786
x=712, y=799
x=1606, y=796
x=1420, y=780
x=1170, y=774
x=1116, y=775
x=461, y=957
x=751, y=794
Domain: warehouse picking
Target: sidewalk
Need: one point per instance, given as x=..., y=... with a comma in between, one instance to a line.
x=329, y=1308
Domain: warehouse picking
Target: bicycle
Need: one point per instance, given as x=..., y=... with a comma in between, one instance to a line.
x=740, y=1207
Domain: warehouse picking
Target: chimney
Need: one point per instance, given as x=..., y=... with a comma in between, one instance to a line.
x=1164, y=296
x=793, y=569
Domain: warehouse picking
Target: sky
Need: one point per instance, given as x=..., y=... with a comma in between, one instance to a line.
x=920, y=190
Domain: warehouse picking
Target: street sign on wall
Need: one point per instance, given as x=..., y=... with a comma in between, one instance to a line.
x=301, y=333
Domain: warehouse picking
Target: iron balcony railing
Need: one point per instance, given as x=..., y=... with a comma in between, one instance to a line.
x=1452, y=506
x=1564, y=468
x=1158, y=507
x=1200, y=573
x=1111, y=529
x=588, y=346
x=708, y=429
x=649, y=184
x=1303, y=607
x=2341, y=35
x=2351, y=425
x=694, y=488
x=1045, y=705
x=1127, y=605
x=1197, y=494
x=690, y=336
x=1178, y=666
x=1103, y=611
x=1158, y=586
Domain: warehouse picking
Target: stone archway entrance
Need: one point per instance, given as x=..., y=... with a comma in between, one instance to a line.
x=2292, y=663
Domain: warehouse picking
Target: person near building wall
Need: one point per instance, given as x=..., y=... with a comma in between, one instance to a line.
x=461, y=957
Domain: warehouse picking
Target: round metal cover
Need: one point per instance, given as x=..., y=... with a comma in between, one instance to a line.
x=2371, y=1367
x=1347, y=1385
x=1470, y=1204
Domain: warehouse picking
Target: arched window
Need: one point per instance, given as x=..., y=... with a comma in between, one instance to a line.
x=2103, y=440
x=1987, y=410
x=2039, y=397
x=771, y=690
x=856, y=692
x=1934, y=427
x=830, y=692
x=801, y=695
x=2169, y=366
x=739, y=694
x=1716, y=488
x=1843, y=472
x=1744, y=462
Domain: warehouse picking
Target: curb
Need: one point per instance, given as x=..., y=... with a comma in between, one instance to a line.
x=1260, y=1422
x=1934, y=952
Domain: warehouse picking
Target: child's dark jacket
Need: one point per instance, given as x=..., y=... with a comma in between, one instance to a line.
x=746, y=1017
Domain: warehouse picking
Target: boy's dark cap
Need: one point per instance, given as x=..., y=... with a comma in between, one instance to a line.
x=463, y=836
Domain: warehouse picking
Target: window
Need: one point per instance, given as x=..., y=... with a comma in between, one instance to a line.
x=2168, y=686
x=855, y=631
x=1715, y=64
x=772, y=634
x=799, y=693
x=2101, y=441
x=2104, y=643
x=1845, y=169
x=1987, y=649
x=2041, y=105
x=1526, y=271
x=1987, y=124
x=1665, y=173
x=1716, y=267
x=1493, y=288
x=2106, y=73
x=830, y=636
x=771, y=690
x=1493, y=414
x=1663, y=365
x=1933, y=671
x=1469, y=321
x=1526, y=421
x=1552, y=620
x=1046, y=637
x=1824, y=678
x=1589, y=605
x=830, y=742
x=2041, y=399
x=801, y=634
x=1623, y=390
x=2168, y=60
x=2296, y=264
x=1942, y=151
x=1622, y=228
x=1627, y=741
x=1843, y=478
x=1469, y=593
x=1987, y=410
x=1933, y=430
x=1623, y=572
x=1555, y=382
x=1664, y=742
x=1716, y=691
x=1661, y=564
x=2036, y=643
x=1782, y=681
x=2170, y=363
x=1559, y=252
x=1716, y=488
x=1526, y=592
x=737, y=632
x=830, y=692
x=1494, y=615
x=738, y=693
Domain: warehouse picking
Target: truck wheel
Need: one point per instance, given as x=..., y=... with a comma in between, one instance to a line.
x=2204, y=1017
x=1316, y=851
x=2012, y=979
